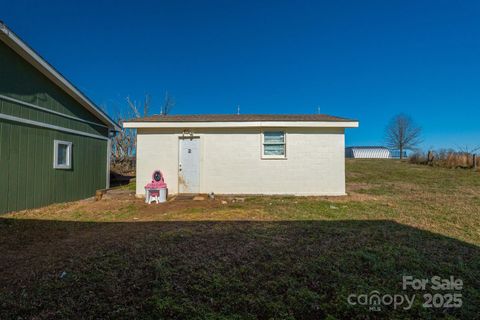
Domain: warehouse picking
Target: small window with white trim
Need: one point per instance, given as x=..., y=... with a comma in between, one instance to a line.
x=62, y=154
x=273, y=145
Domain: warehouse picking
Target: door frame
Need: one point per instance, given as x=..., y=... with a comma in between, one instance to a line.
x=190, y=137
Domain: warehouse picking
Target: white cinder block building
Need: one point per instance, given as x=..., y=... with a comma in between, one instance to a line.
x=243, y=154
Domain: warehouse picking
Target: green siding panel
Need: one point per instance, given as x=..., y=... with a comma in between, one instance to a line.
x=27, y=176
x=4, y=160
x=25, y=112
x=22, y=81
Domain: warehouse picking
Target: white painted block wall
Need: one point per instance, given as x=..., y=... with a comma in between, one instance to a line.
x=231, y=161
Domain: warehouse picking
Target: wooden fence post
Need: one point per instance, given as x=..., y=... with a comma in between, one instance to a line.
x=474, y=161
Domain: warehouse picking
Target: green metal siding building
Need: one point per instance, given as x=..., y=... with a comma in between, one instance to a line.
x=54, y=142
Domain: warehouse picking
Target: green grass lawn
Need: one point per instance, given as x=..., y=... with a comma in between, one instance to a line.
x=265, y=258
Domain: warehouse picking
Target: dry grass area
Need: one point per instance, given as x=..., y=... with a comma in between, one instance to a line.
x=447, y=159
x=264, y=258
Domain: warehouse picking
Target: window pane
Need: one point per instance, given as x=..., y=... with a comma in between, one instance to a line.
x=62, y=154
x=274, y=137
x=274, y=149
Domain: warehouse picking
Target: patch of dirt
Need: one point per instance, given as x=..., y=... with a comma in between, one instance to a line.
x=354, y=175
x=408, y=186
x=176, y=205
x=354, y=196
x=121, y=205
x=355, y=186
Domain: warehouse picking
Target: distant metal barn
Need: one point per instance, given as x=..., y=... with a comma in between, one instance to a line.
x=367, y=152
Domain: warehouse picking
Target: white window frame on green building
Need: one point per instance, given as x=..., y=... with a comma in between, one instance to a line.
x=67, y=163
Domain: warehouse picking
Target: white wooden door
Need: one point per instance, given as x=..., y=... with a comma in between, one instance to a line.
x=189, y=166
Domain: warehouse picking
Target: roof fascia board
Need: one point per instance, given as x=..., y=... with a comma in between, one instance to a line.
x=247, y=124
x=46, y=69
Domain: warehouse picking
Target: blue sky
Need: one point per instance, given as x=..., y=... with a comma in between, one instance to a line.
x=367, y=60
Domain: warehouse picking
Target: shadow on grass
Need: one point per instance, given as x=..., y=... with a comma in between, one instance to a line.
x=235, y=270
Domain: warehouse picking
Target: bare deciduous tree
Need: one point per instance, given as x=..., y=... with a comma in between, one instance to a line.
x=124, y=142
x=402, y=133
x=135, y=107
x=168, y=104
